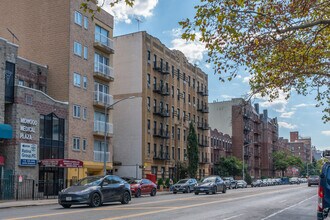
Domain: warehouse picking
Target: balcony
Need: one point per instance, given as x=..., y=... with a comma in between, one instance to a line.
x=203, y=143
x=99, y=156
x=203, y=126
x=161, y=133
x=162, y=156
x=161, y=67
x=100, y=126
x=103, y=71
x=161, y=89
x=202, y=108
x=102, y=99
x=161, y=112
x=202, y=91
x=204, y=160
x=103, y=43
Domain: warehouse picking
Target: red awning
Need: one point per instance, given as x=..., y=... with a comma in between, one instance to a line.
x=62, y=163
x=2, y=161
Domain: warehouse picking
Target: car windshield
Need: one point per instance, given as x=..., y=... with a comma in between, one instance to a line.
x=209, y=179
x=90, y=181
x=240, y=181
x=314, y=176
x=182, y=181
x=134, y=181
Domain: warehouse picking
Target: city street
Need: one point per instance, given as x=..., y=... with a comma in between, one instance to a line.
x=274, y=202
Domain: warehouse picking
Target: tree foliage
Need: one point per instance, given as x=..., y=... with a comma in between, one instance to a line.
x=89, y=6
x=281, y=161
x=192, y=150
x=229, y=166
x=284, y=45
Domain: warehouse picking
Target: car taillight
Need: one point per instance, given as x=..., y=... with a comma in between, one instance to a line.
x=320, y=199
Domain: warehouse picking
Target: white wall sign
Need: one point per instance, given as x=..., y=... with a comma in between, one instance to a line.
x=28, y=154
x=27, y=127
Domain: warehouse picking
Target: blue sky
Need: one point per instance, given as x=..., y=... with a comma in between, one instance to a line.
x=160, y=18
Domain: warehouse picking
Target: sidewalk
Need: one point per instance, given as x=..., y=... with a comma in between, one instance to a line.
x=25, y=203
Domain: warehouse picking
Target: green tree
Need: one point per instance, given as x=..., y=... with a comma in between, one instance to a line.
x=283, y=45
x=229, y=166
x=192, y=150
x=280, y=161
x=89, y=6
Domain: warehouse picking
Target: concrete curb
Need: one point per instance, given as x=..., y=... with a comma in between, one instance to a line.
x=48, y=202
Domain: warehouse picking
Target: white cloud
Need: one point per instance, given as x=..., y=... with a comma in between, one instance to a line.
x=238, y=76
x=326, y=133
x=227, y=97
x=246, y=79
x=278, y=104
x=207, y=65
x=283, y=124
x=123, y=12
x=287, y=114
x=193, y=50
x=304, y=105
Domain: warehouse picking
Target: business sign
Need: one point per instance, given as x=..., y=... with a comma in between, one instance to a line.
x=62, y=163
x=27, y=128
x=28, y=154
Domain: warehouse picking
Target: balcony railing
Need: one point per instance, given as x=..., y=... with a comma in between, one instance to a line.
x=203, y=108
x=161, y=89
x=99, y=127
x=103, y=98
x=103, y=69
x=203, y=143
x=204, y=160
x=161, y=112
x=162, y=156
x=161, y=67
x=203, y=126
x=99, y=156
x=203, y=92
x=162, y=133
x=104, y=42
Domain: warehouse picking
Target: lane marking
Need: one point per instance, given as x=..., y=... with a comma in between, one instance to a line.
x=283, y=201
x=153, y=202
x=282, y=210
x=235, y=216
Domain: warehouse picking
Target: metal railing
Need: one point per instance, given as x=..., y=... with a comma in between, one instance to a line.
x=104, y=40
x=103, y=69
x=99, y=126
x=103, y=98
x=99, y=156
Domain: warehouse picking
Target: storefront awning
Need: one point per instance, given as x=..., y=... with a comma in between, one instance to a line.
x=62, y=163
x=6, y=131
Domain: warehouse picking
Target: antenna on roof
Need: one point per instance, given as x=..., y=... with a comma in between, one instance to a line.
x=138, y=20
x=14, y=36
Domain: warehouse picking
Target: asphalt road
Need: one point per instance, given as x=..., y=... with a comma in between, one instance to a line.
x=273, y=203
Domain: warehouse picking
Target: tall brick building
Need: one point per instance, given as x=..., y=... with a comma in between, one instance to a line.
x=78, y=52
x=301, y=147
x=151, y=130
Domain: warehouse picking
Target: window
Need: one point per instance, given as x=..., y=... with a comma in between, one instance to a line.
x=85, y=52
x=85, y=82
x=85, y=22
x=85, y=113
x=172, y=91
x=148, y=123
x=101, y=64
x=28, y=99
x=178, y=94
x=178, y=112
x=84, y=145
x=148, y=80
x=185, y=154
x=189, y=98
x=76, y=79
x=148, y=150
x=77, y=49
x=172, y=71
x=179, y=154
x=172, y=131
x=188, y=80
x=179, y=134
x=193, y=83
x=184, y=97
x=21, y=82
x=172, y=111
x=178, y=76
x=148, y=55
x=76, y=143
x=148, y=103
x=76, y=111
x=155, y=150
x=78, y=18
x=173, y=153
x=102, y=35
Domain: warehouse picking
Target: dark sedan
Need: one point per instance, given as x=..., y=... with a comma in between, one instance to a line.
x=96, y=190
x=211, y=184
x=313, y=180
x=184, y=185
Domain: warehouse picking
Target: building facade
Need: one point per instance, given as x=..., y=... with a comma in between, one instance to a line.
x=79, y=52
x=151, y=130
x=301, y=147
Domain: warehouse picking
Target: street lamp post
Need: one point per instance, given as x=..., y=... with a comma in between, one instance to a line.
x=106, y=108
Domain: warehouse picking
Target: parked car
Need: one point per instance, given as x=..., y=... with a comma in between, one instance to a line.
x=313, y=180
x=96, y=190
x=211, y=184
x=184, y=185
x=265, y=182
x=256, y=183
x=241, y=184
x=230, y=182
x=294, y=180
x=142, y=187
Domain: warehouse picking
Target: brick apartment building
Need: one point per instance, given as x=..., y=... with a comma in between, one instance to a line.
x=301, y=147
x=37, y=123
x=151, y=130
x=221, y=146
x=78, y=52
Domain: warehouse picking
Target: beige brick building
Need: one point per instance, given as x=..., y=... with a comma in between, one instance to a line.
x=151, y=130
x=79, y=54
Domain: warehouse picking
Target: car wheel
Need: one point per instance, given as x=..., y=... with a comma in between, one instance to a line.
x=95, y=200
x=175, y=192
x=207, y=192
x=153, y=192
x=66, y=206
x=224, y=189
x=138, y=193
x=126, y=197
x=309, y=185
x=188, y=190
x=196, y=193
x=214, y=190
